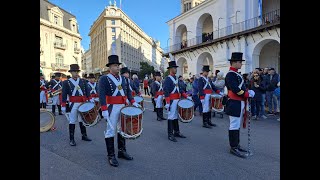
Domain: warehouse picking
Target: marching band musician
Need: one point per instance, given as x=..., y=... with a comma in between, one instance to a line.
x=77, y=90
x=43, y=92
x=113, y=94
x=157, y=91
x=134, y=89
x=172, y=93
x=205, y=90
x=235, y=106
x=93, y=88
x=55, y=85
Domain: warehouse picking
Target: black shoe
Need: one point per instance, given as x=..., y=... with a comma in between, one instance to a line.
x=211, y=124
x=113, y=161
x=172, y=138
x=85, y=138
x=161, y=114
x=242, y=149
x=110, y=149
x=60, y=113
x=124, y=155
x=236, y=152
x=206, y=125
x=178, y=134
x=72, y=142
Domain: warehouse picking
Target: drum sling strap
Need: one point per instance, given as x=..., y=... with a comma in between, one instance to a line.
x=76, y=88
x=175, y=82
x=93, y=88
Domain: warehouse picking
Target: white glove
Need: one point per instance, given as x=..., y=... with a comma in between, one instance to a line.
x=63, y=109
x=221, y=93
x=167, y=106
x=190, y=98
x=251, y=93
x=105, y=114
x=92, y=100
x=136, y=105
x=202, y=100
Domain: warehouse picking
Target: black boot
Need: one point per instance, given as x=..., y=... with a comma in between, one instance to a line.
x=71, y=134
x=40, y=105
x=240, y=148
x=209, y=120
x=170, y=131
x=161, y=114
x=54, y=110
x=110, y=148
x=59, y=109
x=205, y=120
x=122, y=152
x=233, y=140
x=84, y=132
x=176, y=129
x=158, y=114
x=44, y=105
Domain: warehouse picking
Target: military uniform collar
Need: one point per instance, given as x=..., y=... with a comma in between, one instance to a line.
x=233, y=69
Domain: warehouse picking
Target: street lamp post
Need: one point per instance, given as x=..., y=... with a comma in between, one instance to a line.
x=219, y=26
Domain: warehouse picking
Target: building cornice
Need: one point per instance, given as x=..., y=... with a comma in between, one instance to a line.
x=191, y=11
x=59, y=28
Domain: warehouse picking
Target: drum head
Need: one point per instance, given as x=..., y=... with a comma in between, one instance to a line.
x=138, y=99
x=96, y=99
x=185, y=103
x=131, y=111
x=216, y=96
x=46, y=120
x=86, y=107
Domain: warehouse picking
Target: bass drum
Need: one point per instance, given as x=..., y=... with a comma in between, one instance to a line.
x=47, y=120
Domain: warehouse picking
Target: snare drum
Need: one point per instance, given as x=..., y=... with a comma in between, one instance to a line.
x=47, y=120
x=186, y=110
x=216, y=102
x=131, y=122
x=139, y=100
x=88, y=113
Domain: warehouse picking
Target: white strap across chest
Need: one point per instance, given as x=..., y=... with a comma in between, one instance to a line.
x=93, y=88
x=242, y=81
x=118, y=85
x=207, y=82
x=76, y=86
x=160, y=84
x=130, y=85
x=57, y=84
x=175, y=82
x=43, y=84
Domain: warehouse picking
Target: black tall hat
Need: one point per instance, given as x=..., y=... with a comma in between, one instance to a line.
x=74, y=67
x=236, y=56
x=124, y=70
x=113, y=59
x=157, y=74
x=91, y=75
x=205, y=68
x=172, y=64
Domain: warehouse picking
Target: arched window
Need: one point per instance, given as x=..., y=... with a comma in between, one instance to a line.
x=59, y=59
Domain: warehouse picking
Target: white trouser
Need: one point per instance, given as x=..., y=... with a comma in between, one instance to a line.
x=43, y=97
x=55, y=100
x=159, y=101
x=206, y=103
x=235, y=121
x=173, y=113
x=113, y=120
x=74, y=114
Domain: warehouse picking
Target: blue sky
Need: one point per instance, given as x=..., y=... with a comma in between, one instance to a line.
x=150, y=15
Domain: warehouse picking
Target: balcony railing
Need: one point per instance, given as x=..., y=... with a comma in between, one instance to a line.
x=56, y=66
x=59, y=45
x=76, y=50
x=268, y=18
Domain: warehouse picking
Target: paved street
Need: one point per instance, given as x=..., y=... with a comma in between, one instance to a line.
x=204, y=154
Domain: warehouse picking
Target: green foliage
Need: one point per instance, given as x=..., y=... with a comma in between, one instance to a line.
x=165, y=74
x=145, y=68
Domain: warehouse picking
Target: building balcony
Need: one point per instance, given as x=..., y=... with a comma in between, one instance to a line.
x=236, y=30
x=59, y=45
x=77, y=50
x=59, y=67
